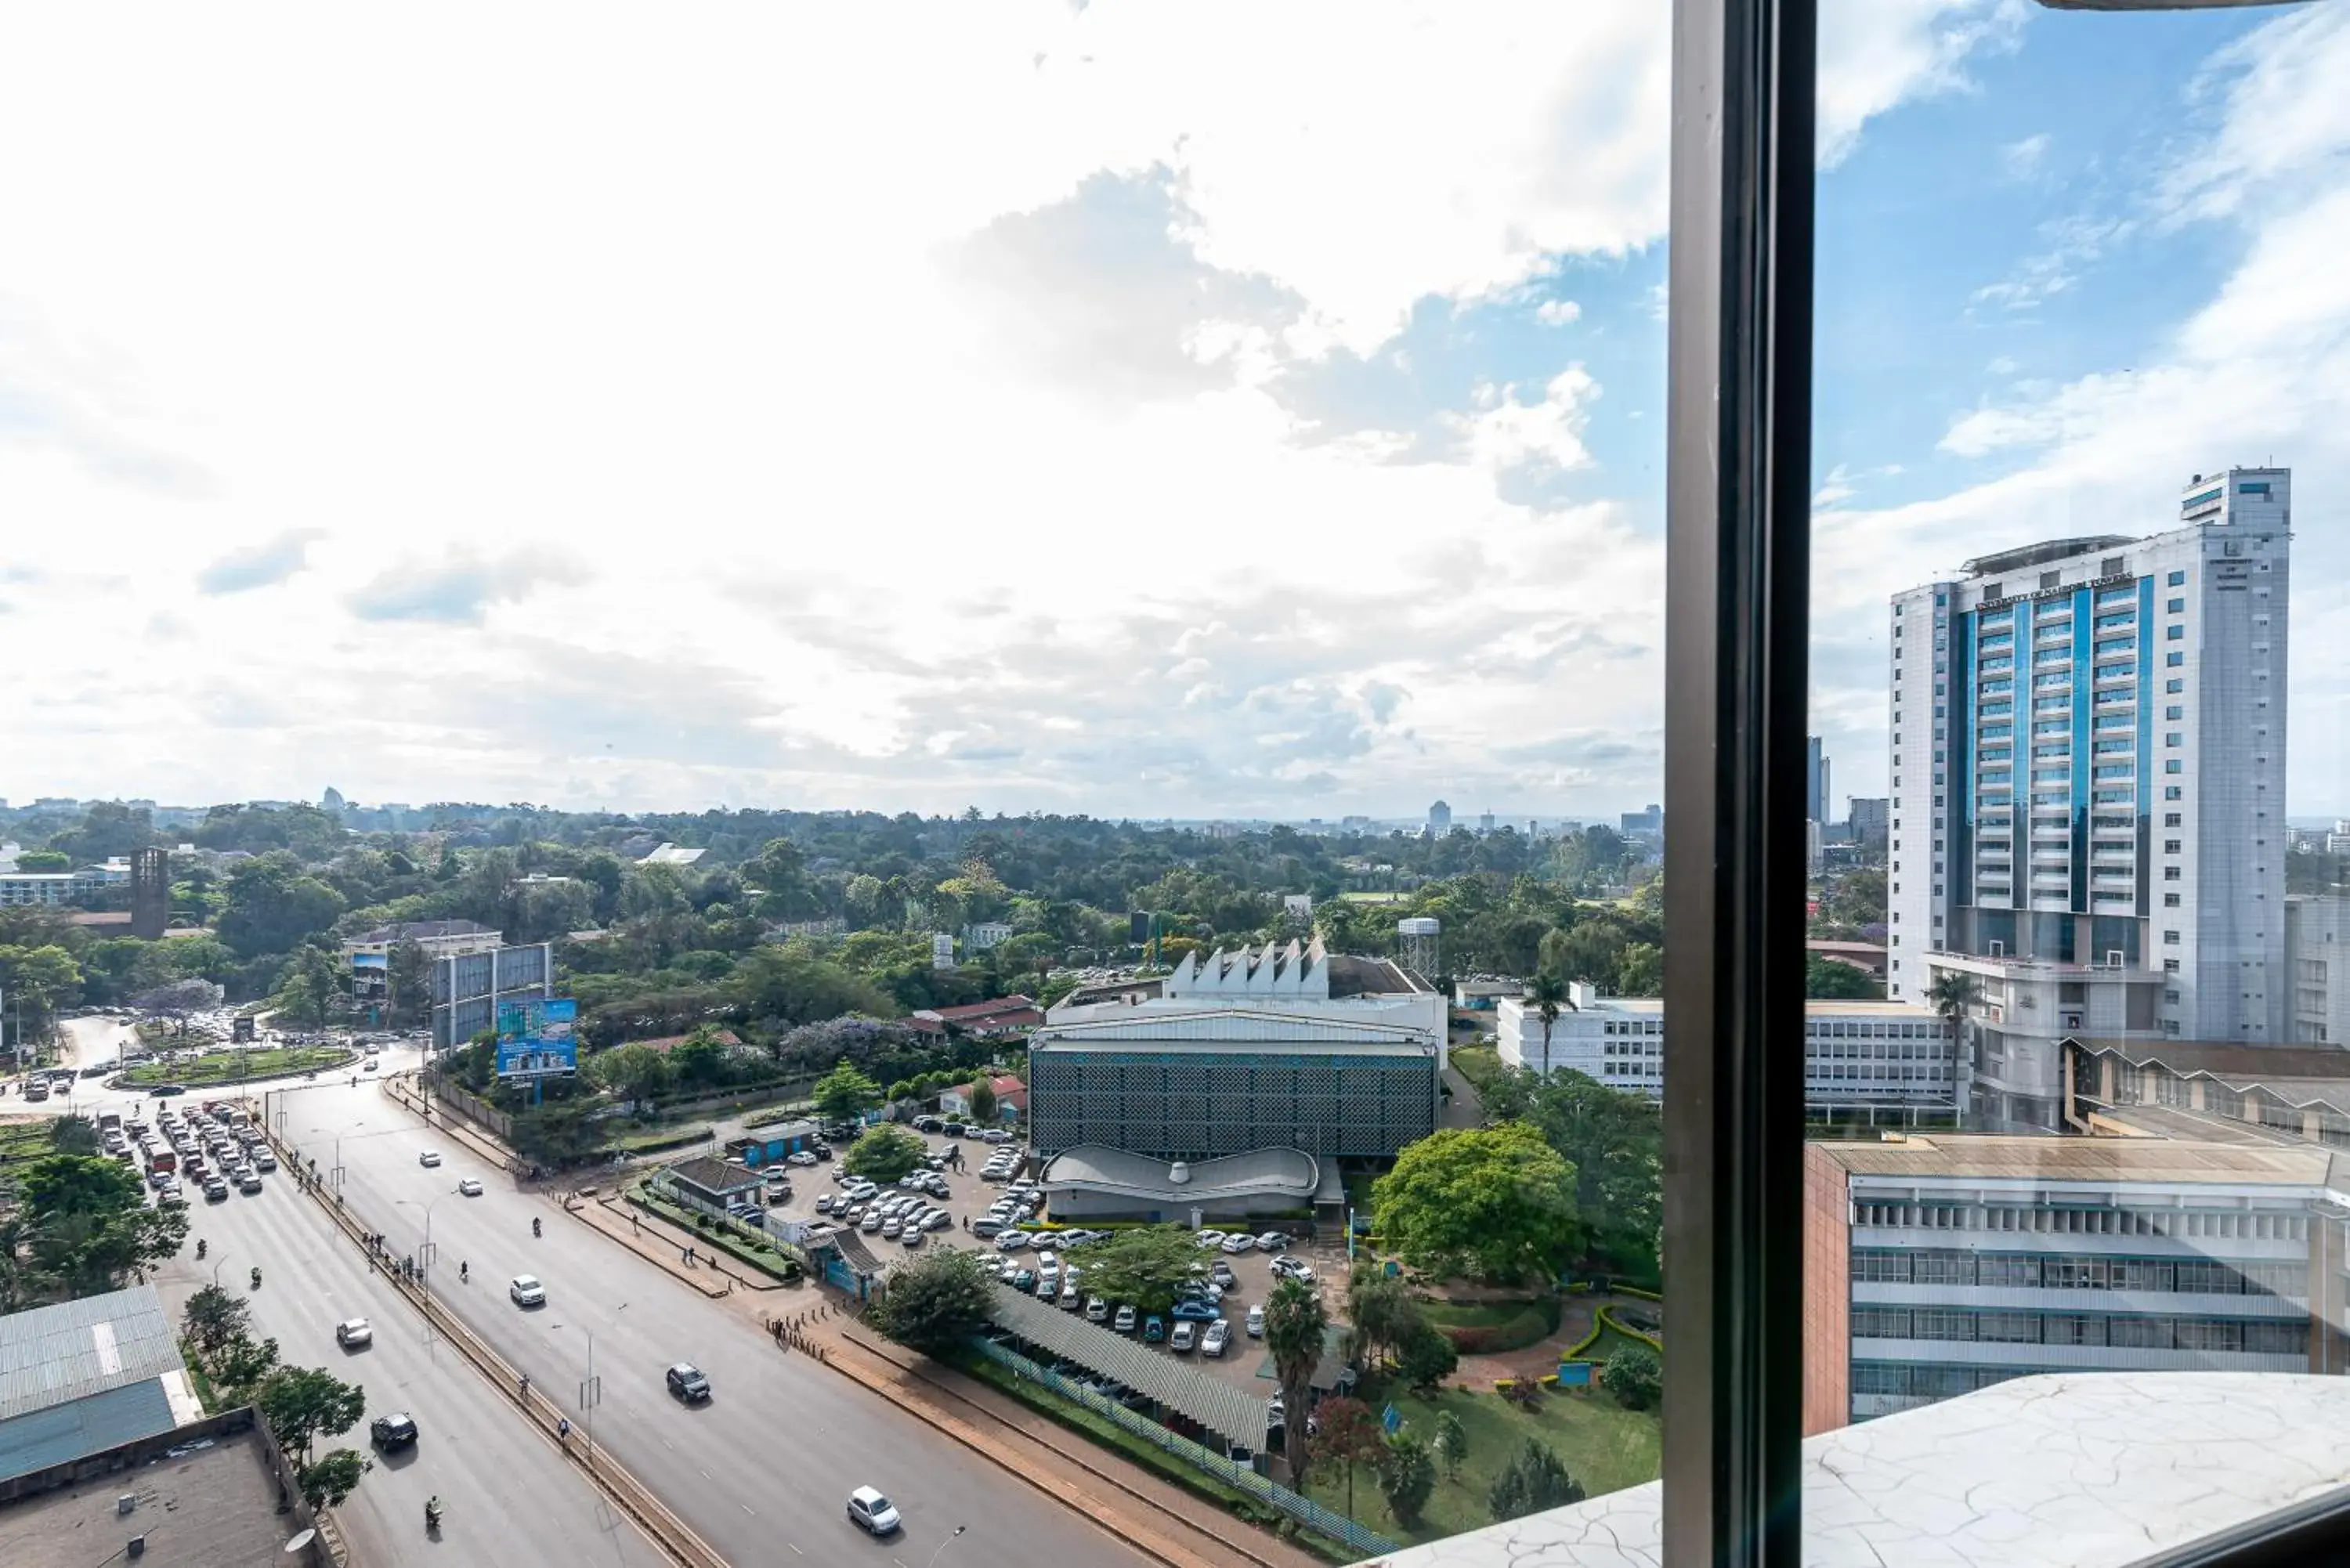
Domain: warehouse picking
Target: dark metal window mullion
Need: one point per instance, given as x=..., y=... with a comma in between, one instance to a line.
x=1737, y=547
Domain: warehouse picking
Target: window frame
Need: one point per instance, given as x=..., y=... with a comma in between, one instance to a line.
x=1738, y=566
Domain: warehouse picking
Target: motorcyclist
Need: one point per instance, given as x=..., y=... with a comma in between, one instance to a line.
x=464, y=1270
x=256, y=1276
x=533, y=1225
x=200, y=1246
x=432, y=1511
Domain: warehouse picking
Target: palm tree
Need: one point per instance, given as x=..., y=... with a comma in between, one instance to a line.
x=1950, y=993
x=1548, y=993
x=1295, y=1327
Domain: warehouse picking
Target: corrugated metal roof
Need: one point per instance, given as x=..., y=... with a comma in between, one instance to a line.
x=52, y=1354
x=78, y=1428
x=1279, y=1172
x=1201, y=1395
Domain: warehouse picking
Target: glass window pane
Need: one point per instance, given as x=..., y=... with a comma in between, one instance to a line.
x=2033, y=282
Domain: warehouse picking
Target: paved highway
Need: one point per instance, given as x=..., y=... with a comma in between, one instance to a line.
x=511, y=1498
x=765, y=1467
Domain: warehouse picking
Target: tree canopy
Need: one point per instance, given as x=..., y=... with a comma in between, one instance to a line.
x=936, y=1303
x=1497, y=1203
x=885, y=1153
x=1147, y=1266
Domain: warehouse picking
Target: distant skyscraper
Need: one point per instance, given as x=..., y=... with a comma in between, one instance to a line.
x=1868, y=819
x=1650, y=822
x=2131, y=692
x=1439, y=820
x=1818, y=799
x=332, y=800
x=1485, y=823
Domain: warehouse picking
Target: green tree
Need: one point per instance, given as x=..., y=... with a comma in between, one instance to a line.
x=1634, y=1375
x=88, y=1225
x=1614, y=1141
x=1451, y=1443
x=1381, y=1316
x=1640, y=970
x=1427, y=1358
x=73, y=1135
x=1146, y=1266
x=274, y=905
x=782, y=987
x=885, y=1153
x=302, y=1403
x=1549, y=993
x=1950, y=993
x=333, y=1477
x=212, y=1320
x=1831, y=979
x=937, y=1303
x=1295, y=1330
x=313, y=987
x=408, y=983
x=44, y=860
x=1348, y=1434
x=1495, y=1203
x=983, y=1101
x=632, y=1072
x=1532, y=1482
x=700, y=1057
x=241, y=1366
x=1407, y=1473
x=845, y=1093
x=38, y=980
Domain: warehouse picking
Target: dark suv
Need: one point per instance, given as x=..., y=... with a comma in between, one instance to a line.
x=397, y=1431
x=686, y=1381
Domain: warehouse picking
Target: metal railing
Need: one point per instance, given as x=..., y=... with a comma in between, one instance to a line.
x=1337, y=1527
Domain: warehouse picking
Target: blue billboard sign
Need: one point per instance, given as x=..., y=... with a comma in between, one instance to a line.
x=535, y=1037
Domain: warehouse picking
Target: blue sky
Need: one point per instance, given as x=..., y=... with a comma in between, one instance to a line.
x=1136, y=409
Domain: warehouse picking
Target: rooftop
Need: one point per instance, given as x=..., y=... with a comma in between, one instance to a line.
x=714, y=1175
x=2000, y=1156
x=420, y=931
x=2071, y=1470
x=53, y=1355
x=1256, y=1173
x=208, y=1502
x=2046, y=550
x=1201, y=1395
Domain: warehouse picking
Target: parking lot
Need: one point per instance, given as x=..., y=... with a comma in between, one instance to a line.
x=969, y=1196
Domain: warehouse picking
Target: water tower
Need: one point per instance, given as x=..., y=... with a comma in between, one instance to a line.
x=1416, y=942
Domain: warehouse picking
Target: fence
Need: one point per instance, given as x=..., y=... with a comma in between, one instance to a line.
x=473, y=1108
x=1232, y=1472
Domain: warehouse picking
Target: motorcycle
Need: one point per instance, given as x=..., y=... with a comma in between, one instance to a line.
x=533, y=1227
x=432, y=1513
x=200, y=1246
x=465, y=1272
x=256, y=1276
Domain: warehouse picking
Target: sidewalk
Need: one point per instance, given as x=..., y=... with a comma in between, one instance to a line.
x=649, y=1242
x=403, y=1094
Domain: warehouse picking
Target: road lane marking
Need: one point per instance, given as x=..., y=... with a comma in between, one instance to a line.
x=796, y=1548
x=749, y=1509
x=705, y=1475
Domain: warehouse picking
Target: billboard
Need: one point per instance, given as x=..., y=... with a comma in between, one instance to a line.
x=534, y=1037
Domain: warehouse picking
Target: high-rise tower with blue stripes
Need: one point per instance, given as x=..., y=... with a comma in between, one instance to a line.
x=2089, y=814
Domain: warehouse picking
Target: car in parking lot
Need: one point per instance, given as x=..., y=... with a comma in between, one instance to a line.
x=1239, y=1243
x=1218, y=1335
x=1186, y=1334
x=1256, y=1322
x=1026, y=1280
x=1194, y=1310
x=1287, y=1267
x=1208, y=1237
x=1154, y=1329
x=526, y=1291
x=800, y=1157
x=1012, y=1241
x=396, y=1430
x=872, y=1513
x=1272, y=1241
x=354, y=1332
x=996, y=1134
x=1125, y=1324
x=909, y=1238
x=686, y=1381
x=431, y=1156
x=264, y=1160
x=1096, y=1310
x=1222, y=1274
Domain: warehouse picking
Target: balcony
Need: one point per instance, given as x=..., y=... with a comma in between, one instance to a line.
x=1982, y=1477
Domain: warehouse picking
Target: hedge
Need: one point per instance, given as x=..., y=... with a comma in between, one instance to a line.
x=1536, y=1321
x=1607, y=1319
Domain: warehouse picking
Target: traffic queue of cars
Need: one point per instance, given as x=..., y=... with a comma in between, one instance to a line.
x=215, y=1148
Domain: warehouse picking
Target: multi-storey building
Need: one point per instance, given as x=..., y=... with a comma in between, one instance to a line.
x=1936, y=1265
x=2317, y=967
x=1864, y=1063
x=2088, y=748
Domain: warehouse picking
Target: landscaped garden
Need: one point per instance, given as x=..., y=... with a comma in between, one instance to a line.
x=215, y=1067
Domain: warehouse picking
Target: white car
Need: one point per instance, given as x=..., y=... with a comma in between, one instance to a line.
x=1256, y=1322
x=872, y=1513
x=1272, y=1241
x=1012, y=1241
x=429, y=1156
x=802, y=1158
x=1238, y=1243
x=468, y=1188
x=1218, y=1335
x=353, y=1331
x=526, y=1291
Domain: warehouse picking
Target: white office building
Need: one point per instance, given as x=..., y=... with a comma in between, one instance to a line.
x=2088, y=751
x=2318, y=962
x=1866, y=1063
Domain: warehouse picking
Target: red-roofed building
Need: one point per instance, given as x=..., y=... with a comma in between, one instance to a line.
x=1006, y=1015
x=1010, y=1099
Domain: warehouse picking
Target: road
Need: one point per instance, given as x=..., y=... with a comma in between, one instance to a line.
x=510, y=1497
x=768, y=1463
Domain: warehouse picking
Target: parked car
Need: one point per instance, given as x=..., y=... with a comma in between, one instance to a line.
x=1154, y=1329
x=1218, y=1336
x=986, y=1227
x=1209, y=1238
x=872, y=1513
x=1194, y=1310
x=952, y=1129
x=1012, y=1241
x=1125, y=1324
x=1238, y=1243
x=1256, y=1322
x=1026, y=1280
x=354, y=1332
x=1186, y=1335
x=800, y=1157
x=249, y=1183
x=912, y=1238
x=1096, y=1310
x=1272, y=1241
x=996, y=1134
x=686, y=1381
x=1222, y=1274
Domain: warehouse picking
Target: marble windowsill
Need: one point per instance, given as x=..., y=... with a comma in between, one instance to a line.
x=2074, y=1470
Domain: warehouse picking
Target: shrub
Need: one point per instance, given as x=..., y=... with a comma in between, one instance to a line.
x=1634, y=1375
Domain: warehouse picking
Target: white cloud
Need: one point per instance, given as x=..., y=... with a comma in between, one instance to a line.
x=1875, y=54
x=727, y=408
x=1558, y=313
x=2021, y=160
x=2260, y=371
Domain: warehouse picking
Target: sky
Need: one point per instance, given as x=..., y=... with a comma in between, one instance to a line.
x=1143, y=409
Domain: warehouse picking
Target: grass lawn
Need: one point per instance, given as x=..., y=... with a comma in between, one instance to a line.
x=1472, y=1315
x=227, y=1066
x=653, y=1138
x=1481, y=1064
x=25, y=1139
x=1604, y=1445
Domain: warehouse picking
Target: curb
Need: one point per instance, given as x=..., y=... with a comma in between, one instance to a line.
x=661, y=1260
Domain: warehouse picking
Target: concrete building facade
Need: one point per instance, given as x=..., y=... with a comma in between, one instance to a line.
x=2317, y=967
x=2087, y=771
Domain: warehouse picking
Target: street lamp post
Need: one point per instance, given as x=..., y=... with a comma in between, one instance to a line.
x=424, y=1259
x=944, y=1545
